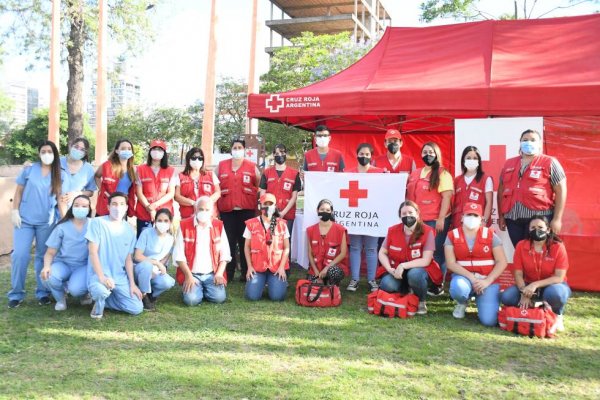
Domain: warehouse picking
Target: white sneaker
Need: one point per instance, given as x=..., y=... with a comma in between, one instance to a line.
x=560, y=323
x=86, y=300
x=422, y=310
x=373, y=286
x=93, y=313
x=459, y=311
x=352, y=286
x=61, y=305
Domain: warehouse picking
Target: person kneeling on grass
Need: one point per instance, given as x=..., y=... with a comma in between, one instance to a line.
x=476, y=258
x=110, y=268
x=202, y=253
x=66, y=258
x=152, y=251
x=267, y=247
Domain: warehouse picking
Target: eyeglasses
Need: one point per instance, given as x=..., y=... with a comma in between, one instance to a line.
x=197, y=158
x=319, y=135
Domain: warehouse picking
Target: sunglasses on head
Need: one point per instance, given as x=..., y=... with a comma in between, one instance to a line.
x=197, y=158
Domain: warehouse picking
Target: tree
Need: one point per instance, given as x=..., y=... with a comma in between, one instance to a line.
x=128, y=26
x=230, y=111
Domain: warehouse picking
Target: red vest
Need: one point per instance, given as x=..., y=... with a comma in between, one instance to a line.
x=326, y=249
x=481, y=258
x=463, y=194
x=107, y=187
x=154, y=187
x=399, y=250
x=332, y=162
x=266, y=257
x=282, y=187
x=534, y=189
x=238, y=189
x=188, y=231
x=206, y=187
x=417, y=190
x=405, y=164
x=371, y=170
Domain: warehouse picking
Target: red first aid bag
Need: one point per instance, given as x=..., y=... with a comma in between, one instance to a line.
x=309, y=294
x=394, y=304
x=535, y=321
x=371, y=298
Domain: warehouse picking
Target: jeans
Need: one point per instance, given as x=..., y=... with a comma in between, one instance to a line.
x=234, y=223
x=357, y=242
x=488, y=302
x=276, y=287
x=556, y=295
x=205, y=289
x=440, y=238
x=518, y=229
x=148, y=284
x=23, y=240
x=417, y=279
x=61, y=275
x=118, y=299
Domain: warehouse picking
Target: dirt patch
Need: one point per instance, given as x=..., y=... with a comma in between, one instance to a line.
x=4, y=262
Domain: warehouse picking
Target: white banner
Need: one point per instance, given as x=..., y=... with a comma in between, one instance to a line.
x=497, y=140
x=366, y=204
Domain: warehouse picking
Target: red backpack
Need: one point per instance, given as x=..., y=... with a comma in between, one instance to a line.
x=535, y=321
x=392, y=305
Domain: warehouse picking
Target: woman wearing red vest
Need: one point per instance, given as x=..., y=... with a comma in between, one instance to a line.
x=267, y=247
x=431, y=187
x=194, y=182
x=531, y=184
x=407, y=254
x=239, y=187
x=327, y=247
x=473, y=186
x=155, y=185
x=323, y=158
x=117, y=174
x=540, y=269
x=476, y=258
x=393, y=161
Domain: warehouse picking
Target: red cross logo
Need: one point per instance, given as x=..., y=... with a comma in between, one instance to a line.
x=249, y=153
x=274, y=103
x=496, y=162
x=353, y=194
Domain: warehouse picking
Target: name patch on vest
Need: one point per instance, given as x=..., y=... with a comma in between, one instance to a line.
x=474, y=196
x=331, y=252
x=415, y=253
x=535, y=174
x=246, y=178
x=287, y=186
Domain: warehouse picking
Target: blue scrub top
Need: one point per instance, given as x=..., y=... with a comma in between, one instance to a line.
x=81, y=180
x=124, y=183
x=71, y=245
x=154, y=246
x=115, y=242
x=38, y=206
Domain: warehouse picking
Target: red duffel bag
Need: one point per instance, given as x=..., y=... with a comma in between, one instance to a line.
x=535, y=321
x=309, y=294
x=371, y=298
x=393, y=305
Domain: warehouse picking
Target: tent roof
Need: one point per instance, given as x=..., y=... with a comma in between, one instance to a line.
x=435, y=74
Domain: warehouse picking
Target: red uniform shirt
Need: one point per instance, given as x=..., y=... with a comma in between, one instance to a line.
x=538, y=266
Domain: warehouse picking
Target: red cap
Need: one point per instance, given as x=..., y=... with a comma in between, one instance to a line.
x=268, y=197
x=473, y=208
x=158, y=143
x=393, y=133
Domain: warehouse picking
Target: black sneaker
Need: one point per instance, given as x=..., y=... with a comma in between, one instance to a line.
x=148, y=303
x=14, y=303
x=435, y=290
x=45, y=301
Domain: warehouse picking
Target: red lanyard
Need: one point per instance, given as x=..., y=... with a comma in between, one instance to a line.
x=538, y=258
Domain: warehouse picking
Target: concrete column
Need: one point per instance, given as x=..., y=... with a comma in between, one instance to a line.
x=54, y=109
x=208, y=121
x=101, y=114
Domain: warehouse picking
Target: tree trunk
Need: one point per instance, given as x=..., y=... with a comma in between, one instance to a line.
x=75, y=61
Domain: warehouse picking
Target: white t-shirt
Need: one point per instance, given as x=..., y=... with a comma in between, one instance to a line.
x=489, y=183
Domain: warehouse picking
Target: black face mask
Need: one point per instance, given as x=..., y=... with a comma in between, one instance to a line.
x=364, y=161
x=538, y=235
x=409, y=220
x=429, y=160
x=325, y=216
x=393, y=147
x=280, y=159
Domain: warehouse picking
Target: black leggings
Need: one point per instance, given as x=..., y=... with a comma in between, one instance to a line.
x=234, y=224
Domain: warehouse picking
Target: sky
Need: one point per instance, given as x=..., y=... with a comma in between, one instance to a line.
x=172, y=69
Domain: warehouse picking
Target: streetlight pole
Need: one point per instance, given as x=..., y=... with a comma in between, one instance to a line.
x=208, y=121
x=54, y=109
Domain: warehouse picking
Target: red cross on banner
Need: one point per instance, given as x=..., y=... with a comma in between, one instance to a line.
x=353, y=194
x=249, y=153
x=494, y=165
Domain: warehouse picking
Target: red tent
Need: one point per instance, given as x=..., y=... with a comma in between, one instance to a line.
x=422, y=79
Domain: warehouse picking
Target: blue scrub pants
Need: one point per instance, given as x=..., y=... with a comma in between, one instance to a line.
x=277, y=288
x=205, y=289
x=63, y=276
x=118, y=299
x=417, y=278
x=148, y=284
x=488, y=302
x=23, y=240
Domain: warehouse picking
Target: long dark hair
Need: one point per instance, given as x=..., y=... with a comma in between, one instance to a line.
x=326, y=201
x=419, y=231
x=188, y=156
x=466, y=151
x=164, y=161
x=552, y=237
x=115, y=162
x=56, y=181
x=436, y=167
x=69, y=214
x=86, y=144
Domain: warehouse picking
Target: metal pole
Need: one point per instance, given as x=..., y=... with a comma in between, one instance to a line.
x=54, y=109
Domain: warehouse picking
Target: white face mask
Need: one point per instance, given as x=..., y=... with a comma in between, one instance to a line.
x=47, y=158
x=157, y=154
x=323, y=141
x=118, y=212
x=237, y=154
x=162, y=227
x=270, y=210
x=196, y=164
x=203, y=216
x=471, y=165
x=471, y=221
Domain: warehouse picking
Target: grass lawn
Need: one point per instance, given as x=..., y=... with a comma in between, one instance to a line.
x=280, y=350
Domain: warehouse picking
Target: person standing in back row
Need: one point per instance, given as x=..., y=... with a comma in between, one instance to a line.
x=323, y=158
x=393, y=161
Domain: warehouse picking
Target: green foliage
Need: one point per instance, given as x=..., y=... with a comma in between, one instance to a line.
x=458, y=9
x=230, y=111
x=6, y=106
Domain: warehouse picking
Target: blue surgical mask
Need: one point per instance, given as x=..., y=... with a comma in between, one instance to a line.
x=529, y=148
x=81, y=212
x=76, y=154
x=125, y=154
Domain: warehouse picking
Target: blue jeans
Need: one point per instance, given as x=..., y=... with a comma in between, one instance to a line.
x=417, y=278
x=75, y=279
x=23, y=240
x=440, y=238
x=556, y=295
x=488, y=302
x=148, y=284
x=357, y=242
x=205, y=289
x=277, y=288
x=118, y=299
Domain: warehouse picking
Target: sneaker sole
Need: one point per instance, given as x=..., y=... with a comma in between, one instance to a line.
x=353, y=289
x=421, y=312
x=13, y=307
